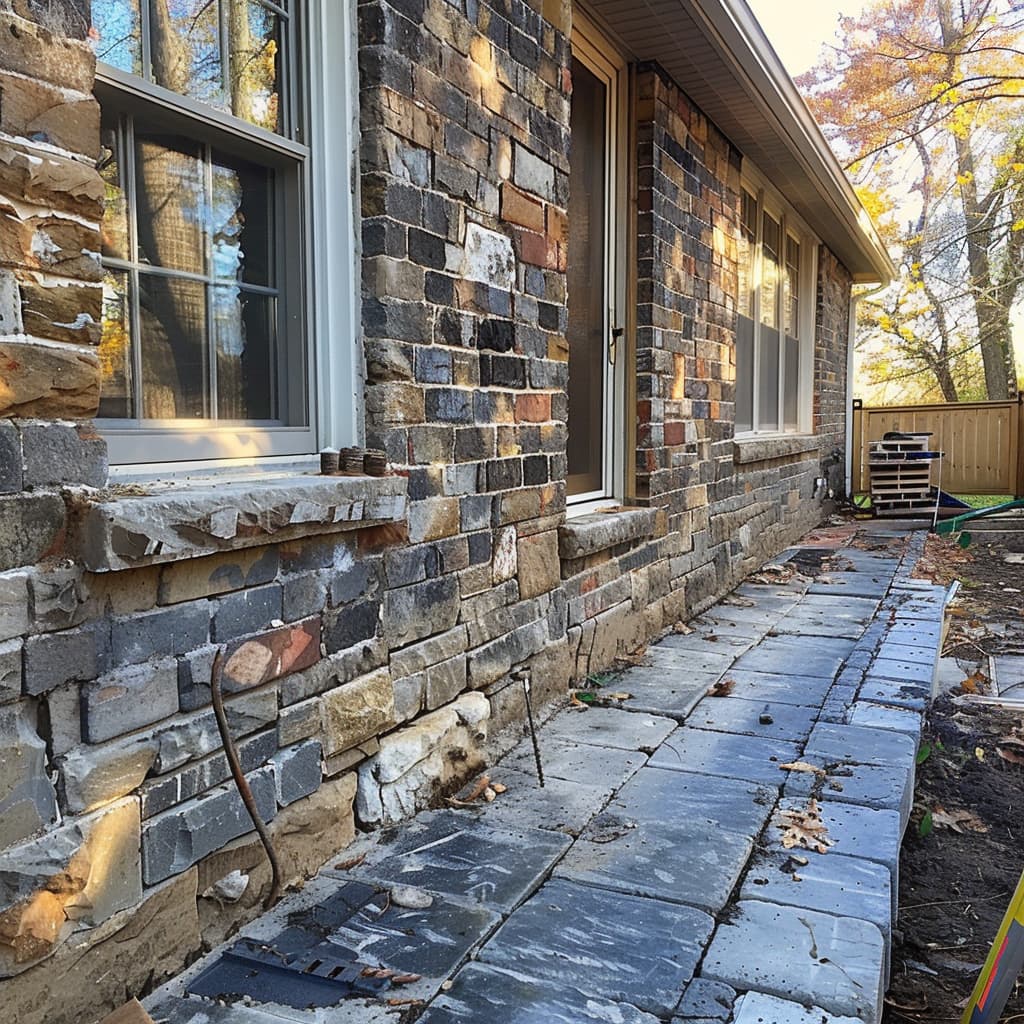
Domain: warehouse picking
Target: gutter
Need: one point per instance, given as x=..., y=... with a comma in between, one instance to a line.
x=851, y=336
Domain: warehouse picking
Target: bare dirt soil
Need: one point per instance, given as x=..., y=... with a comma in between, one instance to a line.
x=964, y=849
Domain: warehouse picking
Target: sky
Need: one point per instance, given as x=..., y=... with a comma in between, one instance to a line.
x=797, y=28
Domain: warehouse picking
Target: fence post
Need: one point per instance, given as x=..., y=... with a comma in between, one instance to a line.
x=856, y=448
x=1018, y=434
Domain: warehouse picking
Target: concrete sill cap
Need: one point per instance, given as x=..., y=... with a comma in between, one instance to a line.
x=597, y=531
x=774, y=446
x=123, y=527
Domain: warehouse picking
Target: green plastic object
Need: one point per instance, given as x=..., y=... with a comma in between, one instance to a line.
x=954, y=525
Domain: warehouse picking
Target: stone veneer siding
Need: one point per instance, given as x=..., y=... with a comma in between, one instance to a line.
x=372, y=628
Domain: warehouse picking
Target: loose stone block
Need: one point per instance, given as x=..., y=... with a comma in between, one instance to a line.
x=27, y=800
x=483, y=992
x=95, y=775
x=566, y=758
x=727, y=755
x=647, y=949
x=175, y=840
x=670, y=691
x=446, y=852
x=128, y=699
x=815, y=958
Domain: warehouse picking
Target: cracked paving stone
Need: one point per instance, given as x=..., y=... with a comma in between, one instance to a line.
x=705, y=1000
x=692, y=862
x=727, y=755
x=668, y=692
x=481, y=994
x=758, y=1008
x=844, y=886
x=565, y=758
x=818, y=959
x=731, y=714
x=888, y=788
x=445, y=852
x=790, y=655
x=706, y=639
x=654, y=794
x=684, y=662
x=629, y=949
x=610, y=727
x=804, y=691
x=859, y=744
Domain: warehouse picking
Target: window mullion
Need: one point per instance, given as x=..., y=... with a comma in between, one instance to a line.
x=756, y=273
x=127, y=143
x=145, y=31
x=211, y=410
x=783, y=316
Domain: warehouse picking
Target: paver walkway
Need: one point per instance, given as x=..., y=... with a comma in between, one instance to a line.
x=647, y=881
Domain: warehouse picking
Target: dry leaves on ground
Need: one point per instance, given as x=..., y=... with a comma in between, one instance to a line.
x=1011, y=746
x=482, y=789
x=958, y=820
x=722, y=688
x=804, y=828
x=802, y=766
x=772, y=574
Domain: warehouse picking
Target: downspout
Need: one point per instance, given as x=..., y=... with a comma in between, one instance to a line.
x=851, y=337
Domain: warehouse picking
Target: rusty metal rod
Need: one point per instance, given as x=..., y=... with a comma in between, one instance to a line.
x=231, y=753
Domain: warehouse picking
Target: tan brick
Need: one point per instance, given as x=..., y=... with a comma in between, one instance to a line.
x=519, y=208
x=538, y=564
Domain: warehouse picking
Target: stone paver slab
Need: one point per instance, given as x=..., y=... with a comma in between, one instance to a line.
x=813, y=958
x=707, y=1000
x=758, y=1008
x=889, y=788
x=914, y=634
x=670, y=693
x=692, y=862
x=727, y=755
x=917, y=653
x=904, y=671
x=859, y=744
x=844, y=886
x=895, y=694
x=482, y=994
x=629, y=949
x=706, y=640
x=787, y=655
x=176, y=1009
x=851, y=584
x=445, y=852
x=654, y=794
x=609, y=727
x=878, y=716
x=572, y=760
x=805, y=691
x=682, y=662
x=753, y=718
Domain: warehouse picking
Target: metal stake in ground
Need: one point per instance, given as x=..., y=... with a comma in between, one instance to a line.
x=524, y=678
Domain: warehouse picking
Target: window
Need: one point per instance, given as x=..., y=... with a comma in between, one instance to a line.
x=595, y=269
x=775, y=326
x=203, y=351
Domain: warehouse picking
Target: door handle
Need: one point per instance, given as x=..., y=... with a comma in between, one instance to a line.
x=617, y=333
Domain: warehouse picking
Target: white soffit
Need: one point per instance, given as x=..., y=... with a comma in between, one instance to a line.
x=718, y=54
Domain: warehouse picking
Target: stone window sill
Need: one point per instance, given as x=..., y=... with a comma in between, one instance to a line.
x=596, y=531
x=774, y=446
x=130, y=525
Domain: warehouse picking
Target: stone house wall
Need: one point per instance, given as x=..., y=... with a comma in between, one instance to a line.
x=375, y=630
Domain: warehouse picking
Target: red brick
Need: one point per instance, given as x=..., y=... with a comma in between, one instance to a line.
x=274, y=654
x=518, y=207
x=533, y=408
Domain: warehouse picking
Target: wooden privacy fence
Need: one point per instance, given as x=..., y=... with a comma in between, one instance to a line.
x=982, y=442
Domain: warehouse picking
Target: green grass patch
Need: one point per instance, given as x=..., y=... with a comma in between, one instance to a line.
x=984, y=500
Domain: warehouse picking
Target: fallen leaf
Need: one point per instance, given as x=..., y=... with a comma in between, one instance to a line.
x=1013, y=751
x=958, y=820
x=345, y=865
x=722, y=688
x=616, y=696
x=682, y=628
x=405, y=979
x=802, y=766
x=489, y=795
x=979, y=753
x=467, y=799
x=499, y=787
x=805, y=828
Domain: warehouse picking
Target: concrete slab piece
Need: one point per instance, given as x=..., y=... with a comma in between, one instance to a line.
x=758, y=1008
x=485, y=994
x=857, y=744
x=865, y=832
x=558, y=806
x=844, y=886
x=609, y=727
x=812, y=958
x=878, y=716
x=446, y=853
x=786, y=655
x=629, y=949
x=572, y=760
x=668, y=692
x=805, y=691
x=888, y=788
x=764, y=719
x=727, y=755
x=692, y=862
x=657, y=795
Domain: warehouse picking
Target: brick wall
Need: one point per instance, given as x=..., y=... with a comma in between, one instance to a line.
x=371, y=627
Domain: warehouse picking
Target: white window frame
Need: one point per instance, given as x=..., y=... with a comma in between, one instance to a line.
x=770, y=201
x=600, y=56
x=324, y=52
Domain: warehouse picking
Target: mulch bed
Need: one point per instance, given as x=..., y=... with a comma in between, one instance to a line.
x=964, y=849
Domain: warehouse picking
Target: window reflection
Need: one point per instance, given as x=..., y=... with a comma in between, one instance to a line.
x=116, y=34
x=115, y=348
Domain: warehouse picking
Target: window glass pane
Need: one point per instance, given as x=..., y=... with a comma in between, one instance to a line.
x=745, y=254
x=245, y=354
x=171, y=200
x=172, y=336
x=115, y=349
x=186, y=49
x=255, y=52
x=114, y=226
x=586, y=281
x=793, y=282
x=744, y=374
x=116, y=34
x=241, y=212
x=791, y=395
x=768, y=379
x=770, y=277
